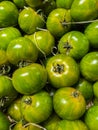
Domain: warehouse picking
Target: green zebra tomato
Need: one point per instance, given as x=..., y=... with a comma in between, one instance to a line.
x=29, y=79
x=21, y=49
x=37, y=107
x=69, y=103
x=8, y=14
x=63, y=71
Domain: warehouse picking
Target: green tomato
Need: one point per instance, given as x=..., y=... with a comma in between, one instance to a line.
x=71, y=125
x=37, y=107
x=91, y=118
x=19, y=3
x=4, y=122
x=64, y=3
x=8, y=14
x=56, y=22
x=69, y=103
x=86, y=88
x=95, y=89
x=84, y=10
x=74, y=44
x=7, y=91
x=51, y=122
x=29, y=20
x=44, y=41
x=13, y=110
x=29, y=79
x=62, y=71
x=89, y=66
x=7, y=35
x=91, y=32
x=34, y=3
x=21, y=49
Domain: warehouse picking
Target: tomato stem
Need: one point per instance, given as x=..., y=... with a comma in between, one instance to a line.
x=75, y=94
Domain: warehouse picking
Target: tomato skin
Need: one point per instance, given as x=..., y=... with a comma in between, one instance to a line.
x=62, y=71
x=4, y=122
x=93, y=27
x=7, y=91
x=58, y=16
x=37, y=107
x=95, y=89
x=64, y=4
x=44, y=41
x=8, y=14
x=87, y=10
x=21, y=49
x=89, y=66
x=29, y=20
x=71, y=125
x=74, y=44
x=86, y=88
x=6, y=35
x=91, y=118
x=69, y=103
x=33, y=3
x=13, y=110
x=29, y=79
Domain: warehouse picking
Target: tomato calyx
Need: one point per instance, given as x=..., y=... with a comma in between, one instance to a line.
x=58, y=68
x=75, y=94
x=67, y=46
x=28, y=101
x=23, y=63
x=4, y=69
x=64, y=24
x=3, y=100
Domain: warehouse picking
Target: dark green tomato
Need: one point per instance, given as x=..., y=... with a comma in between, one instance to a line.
x=71, y=125
x=34, y=3
x=27, y=126
x=95, y=89
x=44, y=41
x=91, y=32
x=84, y=10
x=4, y=122
x=8, y=14
x=7, y=91
x=56, y=22
x=51, y=122
x=21, y=49
x=64, y=3
x=91, y=118
x=62, y=71
x=29, y=20
x=69, y=103
x=19, y=3
x=37, y=107
x=74, y=44
x=29, y=79
x=86, y=88
x=13, y=110
x=6, y=35
x=89, y=66
x=48, y=6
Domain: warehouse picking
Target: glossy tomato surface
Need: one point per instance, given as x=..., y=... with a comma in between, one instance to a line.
x=71, y=125
x=69, y=103
x=91, y=118
x=89, y=66
x=62, y=70
x=21, y=49
x=8, y=14
x=74, y=44
x=29, y=79
x=37, y=107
